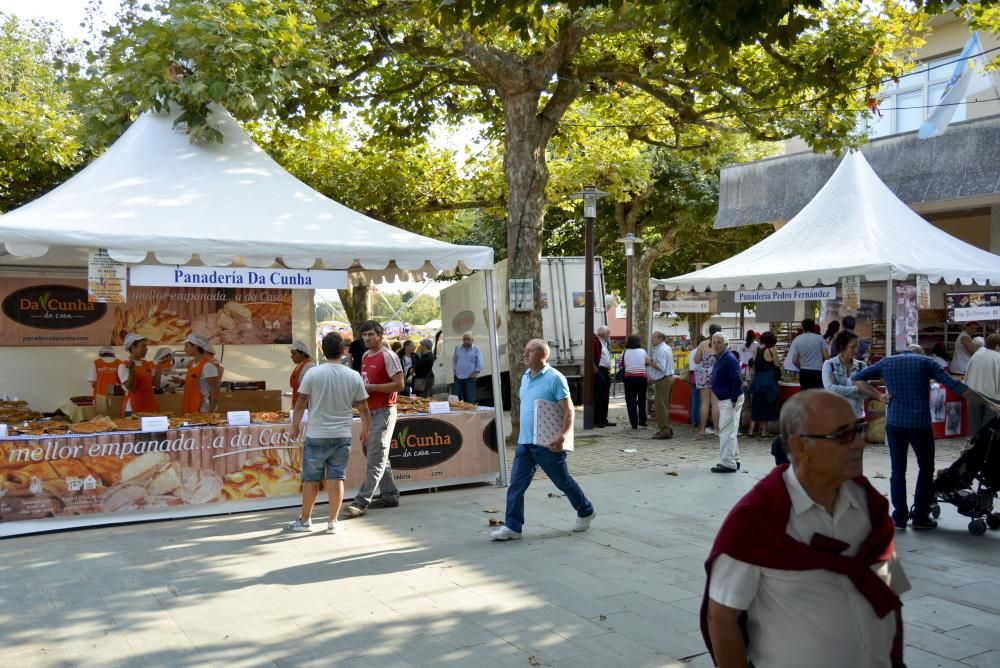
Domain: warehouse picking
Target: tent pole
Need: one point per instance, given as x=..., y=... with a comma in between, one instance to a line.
x=890, y=331
x=491, y=322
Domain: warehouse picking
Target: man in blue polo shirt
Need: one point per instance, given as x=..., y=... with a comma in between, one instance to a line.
x=540, y=381
x=907, y=379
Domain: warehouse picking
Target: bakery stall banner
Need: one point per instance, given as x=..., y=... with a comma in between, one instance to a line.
x=58, y=312
x=116, y=472
x=968, y=306
x=230, y=277
x=683, y=301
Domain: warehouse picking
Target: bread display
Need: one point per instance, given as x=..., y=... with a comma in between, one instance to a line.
x=12, y=412
x=270, y=417
x=416, y=405
x=154, y=480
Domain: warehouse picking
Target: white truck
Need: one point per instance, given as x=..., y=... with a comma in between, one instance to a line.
x=463, y=309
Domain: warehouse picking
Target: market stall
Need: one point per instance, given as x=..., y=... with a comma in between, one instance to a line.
x=855, y=231
x=71, y=477
x=164, y=237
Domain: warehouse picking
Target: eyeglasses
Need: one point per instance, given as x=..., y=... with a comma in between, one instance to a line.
x=844, y=435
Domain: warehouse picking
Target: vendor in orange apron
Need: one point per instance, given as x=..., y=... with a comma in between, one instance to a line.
x=201, y=385
x=139, y=377
x=103, y=374
x=303, y=362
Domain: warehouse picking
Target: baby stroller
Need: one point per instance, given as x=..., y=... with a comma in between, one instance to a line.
x=980, y=463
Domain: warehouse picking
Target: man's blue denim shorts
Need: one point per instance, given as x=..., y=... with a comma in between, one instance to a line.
x=325, y=458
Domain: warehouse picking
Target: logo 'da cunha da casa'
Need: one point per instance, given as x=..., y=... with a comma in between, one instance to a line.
x=52, y=307
x=420, y=443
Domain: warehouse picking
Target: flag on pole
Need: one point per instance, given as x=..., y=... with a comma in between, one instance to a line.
x=967, y=79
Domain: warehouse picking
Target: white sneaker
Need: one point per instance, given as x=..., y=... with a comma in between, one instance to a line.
x=709, y=430
x=583, y=523
x=503, y=533
x=299, y=525
x=333, y=527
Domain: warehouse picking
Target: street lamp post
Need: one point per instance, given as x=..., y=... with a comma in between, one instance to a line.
x=589, y=195
x=630, y=240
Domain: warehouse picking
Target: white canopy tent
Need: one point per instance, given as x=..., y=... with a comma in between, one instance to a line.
x=854, y=226
x=154, y=197
x=154, y=191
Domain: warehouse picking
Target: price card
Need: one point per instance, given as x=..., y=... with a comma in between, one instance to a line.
x=3, y=431
x=238, y=418
x=158, y=423
x=438, y=407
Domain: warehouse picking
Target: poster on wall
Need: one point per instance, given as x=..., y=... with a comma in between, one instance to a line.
x=966, y=306
x=923, y=293
x=58, y=312
x=869, y=313
x=106, y=278
x=953, y=418
x=906, y=316
x=938, y=396
x=850, y=293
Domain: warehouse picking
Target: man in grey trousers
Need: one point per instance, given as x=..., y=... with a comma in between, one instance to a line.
x=383, y=377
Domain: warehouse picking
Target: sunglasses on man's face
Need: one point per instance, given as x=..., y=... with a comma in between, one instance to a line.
x=844, y=435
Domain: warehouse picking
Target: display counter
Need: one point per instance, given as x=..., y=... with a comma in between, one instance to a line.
x=170, y=403
x=58, y=482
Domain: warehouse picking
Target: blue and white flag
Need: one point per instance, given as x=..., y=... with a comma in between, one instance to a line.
x=967, y=79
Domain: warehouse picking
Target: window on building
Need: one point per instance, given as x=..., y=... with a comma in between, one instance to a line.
x=905, y=105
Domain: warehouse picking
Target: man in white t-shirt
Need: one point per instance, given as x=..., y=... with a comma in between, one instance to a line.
x=661, y=375
x=808, y=352
x=964, y=349
x=329, y=391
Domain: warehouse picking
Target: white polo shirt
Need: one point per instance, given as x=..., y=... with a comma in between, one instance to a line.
x=814, y=618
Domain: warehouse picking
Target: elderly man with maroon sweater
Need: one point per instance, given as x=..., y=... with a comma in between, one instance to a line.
x=803, y=571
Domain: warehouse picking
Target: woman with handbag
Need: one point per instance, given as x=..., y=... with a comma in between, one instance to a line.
x=423, y=369
x=406, y=359
x=634, y=361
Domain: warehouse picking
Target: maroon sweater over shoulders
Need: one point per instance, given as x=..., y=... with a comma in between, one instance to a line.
x=754, y=532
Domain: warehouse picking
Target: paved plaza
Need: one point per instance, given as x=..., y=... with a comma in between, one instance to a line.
x=422, y=585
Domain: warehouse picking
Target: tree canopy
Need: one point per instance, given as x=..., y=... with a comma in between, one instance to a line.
x=40, y=131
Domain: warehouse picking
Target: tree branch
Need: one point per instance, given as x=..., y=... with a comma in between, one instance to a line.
x=432, y=207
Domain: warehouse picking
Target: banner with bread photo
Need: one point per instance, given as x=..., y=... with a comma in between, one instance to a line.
x=57, y=312
x=78, y=475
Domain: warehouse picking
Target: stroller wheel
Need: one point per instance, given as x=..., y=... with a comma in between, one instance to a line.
x=993, y=521
x=935, y=510
x=977, y=527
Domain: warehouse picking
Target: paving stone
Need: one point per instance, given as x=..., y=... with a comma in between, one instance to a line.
x=917, y=658
x=978, y=635
x=989, y=659
x=238, y=591
x=942, y=645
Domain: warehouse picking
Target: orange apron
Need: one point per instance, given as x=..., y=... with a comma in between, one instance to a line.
x=107, y=376
x=141, y=399
x=295, y=379
x=192, y=388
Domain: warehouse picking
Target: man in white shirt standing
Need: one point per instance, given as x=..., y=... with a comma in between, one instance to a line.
x=602, y=376
x=964, y=349
x=661, y=375
x=329, y=391
x=808, y=352
x=808, y=555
